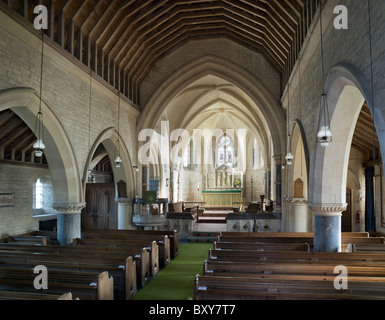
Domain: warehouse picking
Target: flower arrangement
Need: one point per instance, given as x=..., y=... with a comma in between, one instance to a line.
x=237, y=183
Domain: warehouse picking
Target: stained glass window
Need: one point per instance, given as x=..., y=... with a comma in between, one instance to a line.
x=225, y=151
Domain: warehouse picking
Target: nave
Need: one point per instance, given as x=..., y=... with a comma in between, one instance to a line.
x=123, y=123
x=237, y=266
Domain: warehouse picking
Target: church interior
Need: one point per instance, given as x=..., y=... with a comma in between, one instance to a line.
x=247, y=136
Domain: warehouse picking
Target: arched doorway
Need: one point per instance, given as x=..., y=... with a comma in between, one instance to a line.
x=109, y=189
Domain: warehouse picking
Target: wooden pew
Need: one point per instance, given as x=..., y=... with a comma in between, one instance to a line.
x=133, y=247
x=237, y=288
x=288, y=234
x=345, y=240
x=370, y=272
x=367, y=247
x=137, y=268
x=14, y=295
x=140, y=239
x=278, y=267
x=172, y=235
x=50, y=235
x=299, y=257
x=125, y=286
x=85, y=285
x=118, y=255
x=218, y=245
x=25, y=239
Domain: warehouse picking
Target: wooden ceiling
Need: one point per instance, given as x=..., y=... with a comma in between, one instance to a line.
x=16, y=140
x=121, y=40
x=365, y=137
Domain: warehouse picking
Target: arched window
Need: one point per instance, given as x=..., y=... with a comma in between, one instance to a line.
x=43, y=195
x=38, y=203
x=186, y=156
x=255, y=155
x=225, y=151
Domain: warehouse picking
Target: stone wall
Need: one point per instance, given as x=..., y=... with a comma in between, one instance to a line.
x=66, y=92
x=18, y=180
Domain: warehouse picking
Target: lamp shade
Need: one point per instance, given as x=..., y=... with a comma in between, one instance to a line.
x=118, y=162
x=289, y=159
x=324, y=136
x=39, y=148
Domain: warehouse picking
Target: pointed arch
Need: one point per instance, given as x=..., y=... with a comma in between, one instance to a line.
x=251, y=86
x=126, y=173
x=59, y=151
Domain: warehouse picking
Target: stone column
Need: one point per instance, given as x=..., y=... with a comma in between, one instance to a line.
x=298, y=215
x=327, y=226
x=145, y=179
x=69, y=222
x=124, y=214
x=268, y=184
x=278, y=183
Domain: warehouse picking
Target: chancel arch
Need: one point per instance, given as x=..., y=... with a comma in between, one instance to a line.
x=263, y=102
x=213, y=94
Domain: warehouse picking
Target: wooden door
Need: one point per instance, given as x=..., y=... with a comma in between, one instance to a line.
x=346, y=221
x=101, y=209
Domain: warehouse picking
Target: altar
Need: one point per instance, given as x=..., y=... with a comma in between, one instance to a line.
x=221, y=197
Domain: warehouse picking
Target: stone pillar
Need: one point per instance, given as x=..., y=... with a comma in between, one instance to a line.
x=298, y=215
x=327, y=226
x=124, y=214
x=278, y=184
x=69, y=222
x=268, y=185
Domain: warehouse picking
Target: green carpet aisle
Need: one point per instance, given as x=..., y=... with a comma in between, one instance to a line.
x=176, y=281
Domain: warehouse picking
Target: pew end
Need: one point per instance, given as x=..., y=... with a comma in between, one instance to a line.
x=67, y=296
x=105, y=286
x=131, y=281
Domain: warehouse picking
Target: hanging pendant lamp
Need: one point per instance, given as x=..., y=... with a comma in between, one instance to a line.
x=118, y=160
x=324, y=135
x=38, y=146
x=289, y=157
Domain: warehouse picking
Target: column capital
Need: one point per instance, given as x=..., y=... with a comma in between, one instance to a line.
x=70, y=208
x=328, y=209
x=123, y=200
x=298, y=201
